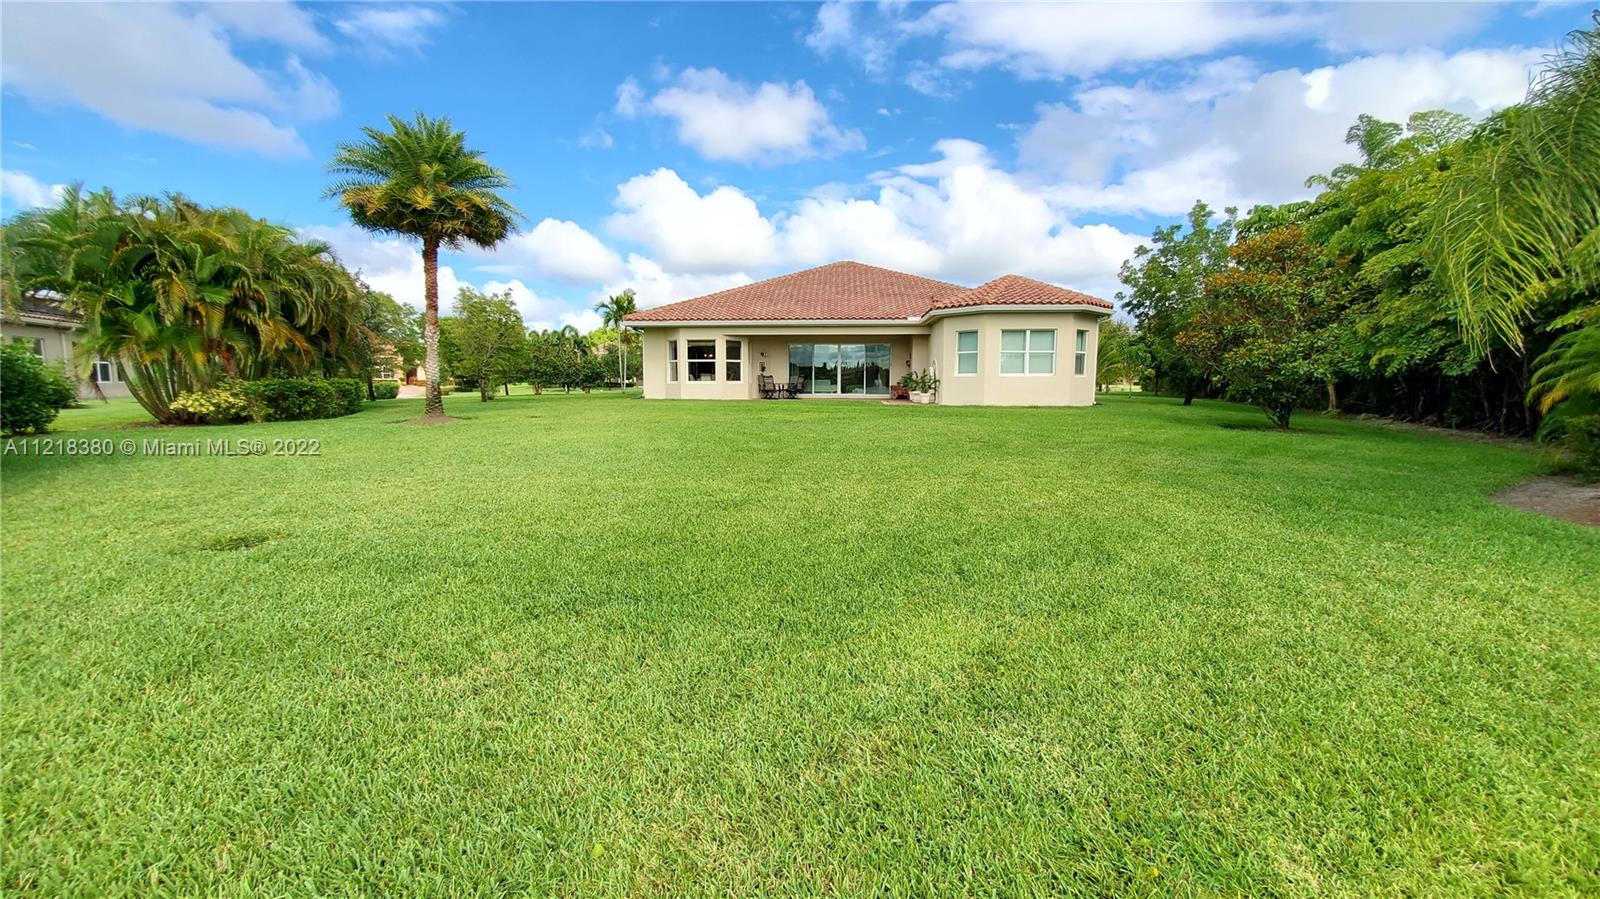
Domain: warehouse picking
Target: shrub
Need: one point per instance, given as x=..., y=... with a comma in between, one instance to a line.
x=296, y=399
x=1581, y=439
x=31, y=392
x=352, y=393
x=226, y=403
x=385, y=390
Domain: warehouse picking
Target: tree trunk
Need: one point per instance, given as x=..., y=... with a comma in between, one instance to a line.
x=372, y=392
x=1333, y=397
x=622, y=361
x=1188, y=392
x=434, y=404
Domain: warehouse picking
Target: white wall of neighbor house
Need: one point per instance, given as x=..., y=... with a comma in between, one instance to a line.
x=55, y=346
x=1046, y=378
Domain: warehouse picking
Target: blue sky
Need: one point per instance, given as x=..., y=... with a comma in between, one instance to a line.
x=683, y=148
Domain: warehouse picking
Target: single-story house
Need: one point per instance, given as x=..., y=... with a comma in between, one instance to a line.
x=52, y=333
x=849, y=330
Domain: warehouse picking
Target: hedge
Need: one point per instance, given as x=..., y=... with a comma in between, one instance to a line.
x=298, y=399
x=385, y=390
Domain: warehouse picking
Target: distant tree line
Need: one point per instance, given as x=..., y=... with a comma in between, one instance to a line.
x=484, y=347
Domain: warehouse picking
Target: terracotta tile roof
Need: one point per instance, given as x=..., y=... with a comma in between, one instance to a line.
x=852, y=291
x=1015, y=290
x=841, y=291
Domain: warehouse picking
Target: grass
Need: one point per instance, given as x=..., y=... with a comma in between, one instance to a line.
x=596, y=646
x=98, y=414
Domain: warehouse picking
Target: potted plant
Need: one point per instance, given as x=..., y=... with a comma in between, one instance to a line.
x=923, y=385
x=902, y=388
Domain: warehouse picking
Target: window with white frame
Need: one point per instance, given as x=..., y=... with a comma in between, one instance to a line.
x=1030, y=352
x=733, y=360
x=38, y=347
x=102, y=372
x=672, y=360
x=1080, y=353
x=702, y=360
x=966, y=352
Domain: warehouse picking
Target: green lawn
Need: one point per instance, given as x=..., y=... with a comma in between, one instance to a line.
x=95, y=414
x=598, y=646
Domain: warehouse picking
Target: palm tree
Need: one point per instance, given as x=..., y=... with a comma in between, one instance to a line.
x=179, y=295
x=418, y=179
x=613, y=311
x=1518, y=222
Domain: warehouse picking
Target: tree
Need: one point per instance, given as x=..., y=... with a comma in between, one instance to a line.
x=1267, y=322
x=489, y=343
x=612, y=312
x=180, y=295
x=1515, y=235
x=1119, y=360
x=419, y=180
x=384, y=337
x=1167, y=289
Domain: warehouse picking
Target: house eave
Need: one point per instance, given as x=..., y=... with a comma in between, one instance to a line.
x=1018, y=307
x=912, y=321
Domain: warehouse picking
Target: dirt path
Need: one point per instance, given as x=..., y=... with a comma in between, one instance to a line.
x=1566, y=498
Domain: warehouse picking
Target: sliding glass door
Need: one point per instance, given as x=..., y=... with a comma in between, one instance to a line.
x=833, y=369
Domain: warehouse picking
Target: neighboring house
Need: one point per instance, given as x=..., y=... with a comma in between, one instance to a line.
x=849, y=330
x=52, y=333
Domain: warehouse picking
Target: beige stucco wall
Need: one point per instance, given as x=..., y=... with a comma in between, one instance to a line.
x=914, y=347
x=763, y=346
x=58, y=345
x=991, y=388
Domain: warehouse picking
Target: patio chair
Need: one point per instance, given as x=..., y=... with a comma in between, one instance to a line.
x=792, y=389
x=768, y=387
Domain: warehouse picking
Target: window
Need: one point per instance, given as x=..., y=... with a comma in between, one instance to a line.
x=733, y=354
x=38, y=347
x=672, y=360
x=834, y=369
x=966, y=352
x=1028, y=352
x=1080, y=353
x=101, y=372
x=702, y=360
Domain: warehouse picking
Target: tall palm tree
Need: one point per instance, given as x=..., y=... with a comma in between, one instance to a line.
x=613, y=311
x=419, y=179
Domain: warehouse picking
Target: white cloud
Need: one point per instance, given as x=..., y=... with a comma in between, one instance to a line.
x=629, y=97
x=953, y=154
x=1236, y=140
x=279, y=22
x=654, y=285
x=596, y=139
x=1084, y=38
x=836, y=30
x=718, y=232
x=167, y=69
x=382, y=29
x=545, y=313
x=723, y=119
x=26, y=191
x=1089, y=37
x=1397, y=26
x=564, y=250
x=958, y=218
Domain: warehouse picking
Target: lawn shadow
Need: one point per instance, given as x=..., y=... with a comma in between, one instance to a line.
x=1273, y=429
